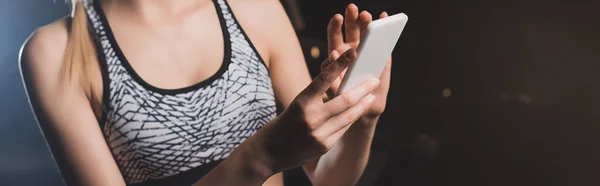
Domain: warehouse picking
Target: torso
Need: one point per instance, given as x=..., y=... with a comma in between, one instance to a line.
x=176, y=100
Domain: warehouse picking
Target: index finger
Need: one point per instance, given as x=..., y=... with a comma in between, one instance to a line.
x=324, y=80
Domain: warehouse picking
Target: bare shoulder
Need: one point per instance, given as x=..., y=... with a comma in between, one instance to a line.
x=260, y=15
x=256, y=3
x=261, y=12
x=266, y=23
x=264, y=16
x=45, y=48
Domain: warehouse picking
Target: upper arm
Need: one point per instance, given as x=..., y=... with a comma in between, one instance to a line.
x=71, y=121
x=287, y=66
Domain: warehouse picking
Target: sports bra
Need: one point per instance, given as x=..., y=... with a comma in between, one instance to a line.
x=176, y=136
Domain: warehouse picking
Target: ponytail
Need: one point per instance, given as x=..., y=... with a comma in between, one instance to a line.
x=80, y=51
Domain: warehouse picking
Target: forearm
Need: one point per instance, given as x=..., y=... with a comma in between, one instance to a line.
x=346, y=161
x=242, y=167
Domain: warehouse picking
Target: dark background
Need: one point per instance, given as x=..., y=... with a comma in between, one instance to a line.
x=484, y=92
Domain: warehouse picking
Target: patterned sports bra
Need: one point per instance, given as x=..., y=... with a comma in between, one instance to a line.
x=174, y=137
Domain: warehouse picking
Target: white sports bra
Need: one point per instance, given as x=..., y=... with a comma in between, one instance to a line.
x=174, y=137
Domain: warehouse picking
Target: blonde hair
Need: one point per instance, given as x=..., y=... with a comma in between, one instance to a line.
x=80, y=53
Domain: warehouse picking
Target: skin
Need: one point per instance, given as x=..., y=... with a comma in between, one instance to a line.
x=322, y=136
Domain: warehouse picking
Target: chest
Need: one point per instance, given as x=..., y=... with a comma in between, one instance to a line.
x=220, y=114
x=164, y=134
x=180, y=51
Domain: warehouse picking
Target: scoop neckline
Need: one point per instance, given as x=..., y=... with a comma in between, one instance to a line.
x=125, y=63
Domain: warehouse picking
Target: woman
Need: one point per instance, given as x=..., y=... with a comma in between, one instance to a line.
x=175, y=92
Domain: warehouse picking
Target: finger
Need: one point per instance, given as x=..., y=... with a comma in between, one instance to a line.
x=387, y=72
x=339, y=123
x=332, y=57
x=352, y=26
x=336, y=84
x=364, y=18
x=334, y=87
x=344, y=73
x=385, y=80
x=343, y=47
x=383, y=15
x=322, y=82
x=351, y=97
x=335, y=137
x=334, y=32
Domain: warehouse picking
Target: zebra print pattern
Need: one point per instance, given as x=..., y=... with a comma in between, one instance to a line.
x=153, y=135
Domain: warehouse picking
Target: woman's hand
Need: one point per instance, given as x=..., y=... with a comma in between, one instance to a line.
x=309, y=127
x=355, y=25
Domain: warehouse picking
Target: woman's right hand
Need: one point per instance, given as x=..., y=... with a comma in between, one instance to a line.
x=309, y=127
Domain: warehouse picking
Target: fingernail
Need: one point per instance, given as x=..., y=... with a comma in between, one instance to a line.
x=335, y=17
x=333, y=55
x=350, y=54
x=370, y=98
x=375, y=82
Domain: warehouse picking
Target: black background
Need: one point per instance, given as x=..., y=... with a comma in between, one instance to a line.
x=524, y=107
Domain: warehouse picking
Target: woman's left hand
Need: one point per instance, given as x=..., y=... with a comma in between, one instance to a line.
x=355, y=25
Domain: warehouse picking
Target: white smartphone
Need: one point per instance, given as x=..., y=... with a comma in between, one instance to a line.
x=375, y=48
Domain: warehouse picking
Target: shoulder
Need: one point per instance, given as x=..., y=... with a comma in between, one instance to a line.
x=262, y=15
x=256, y=3
x=258, y=9
x=267, y=19
x=45, y=47
x=265, y=22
